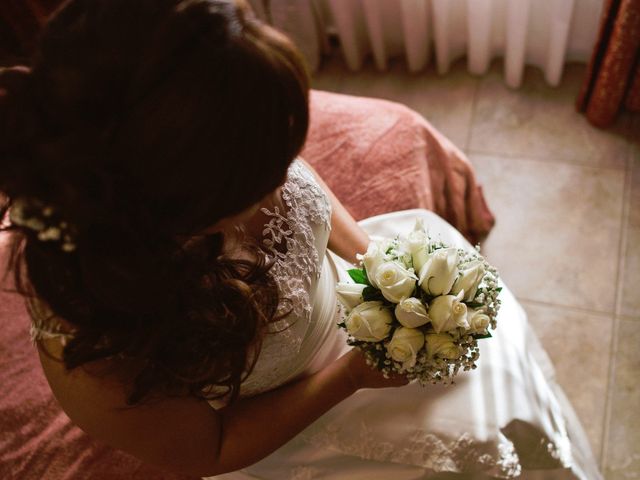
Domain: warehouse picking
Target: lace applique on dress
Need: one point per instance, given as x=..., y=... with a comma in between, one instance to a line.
x=304, y=472
x=424, y=449
x=288, y=237
x=299, y=265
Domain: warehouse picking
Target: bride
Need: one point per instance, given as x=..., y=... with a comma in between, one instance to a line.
x=180, y=261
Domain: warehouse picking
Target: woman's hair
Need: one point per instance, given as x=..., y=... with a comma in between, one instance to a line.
x=141, y=123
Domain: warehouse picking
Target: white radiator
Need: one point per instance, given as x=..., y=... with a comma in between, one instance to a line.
x=544, y=33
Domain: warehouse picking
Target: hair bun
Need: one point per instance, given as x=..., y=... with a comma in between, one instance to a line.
x=18, y=122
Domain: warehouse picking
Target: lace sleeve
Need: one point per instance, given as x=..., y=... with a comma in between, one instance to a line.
x=298, y=264
x=296, y=238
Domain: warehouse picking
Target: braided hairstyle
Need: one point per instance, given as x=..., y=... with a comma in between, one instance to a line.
x=143, y=123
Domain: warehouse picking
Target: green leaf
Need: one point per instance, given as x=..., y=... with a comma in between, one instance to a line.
x=479, y=336
x=474, y=304
x=358, y=276
x=371, y=294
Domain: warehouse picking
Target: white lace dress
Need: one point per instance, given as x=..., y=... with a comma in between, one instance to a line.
x=507, y=419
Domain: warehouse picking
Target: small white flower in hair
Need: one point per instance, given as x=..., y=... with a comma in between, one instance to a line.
x=34, y=215
x=51, y=233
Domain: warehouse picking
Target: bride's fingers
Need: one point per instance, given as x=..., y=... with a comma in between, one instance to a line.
x=398, y=380
x=365, y=376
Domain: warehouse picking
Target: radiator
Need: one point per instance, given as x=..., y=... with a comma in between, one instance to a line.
x=543, y=33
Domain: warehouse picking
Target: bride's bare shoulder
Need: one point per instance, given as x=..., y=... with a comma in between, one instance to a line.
x=94, y=397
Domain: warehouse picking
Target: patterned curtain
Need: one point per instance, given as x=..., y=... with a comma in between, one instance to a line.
x=22, y=21
x=613, y=79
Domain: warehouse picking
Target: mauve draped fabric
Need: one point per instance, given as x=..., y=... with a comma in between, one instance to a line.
x=37, y=440
x=613, y=76
x=378, y=156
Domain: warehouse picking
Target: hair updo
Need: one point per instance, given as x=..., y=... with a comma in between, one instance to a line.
x=142, y=123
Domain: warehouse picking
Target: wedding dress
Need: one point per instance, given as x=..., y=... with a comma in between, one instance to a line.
x=506, y=419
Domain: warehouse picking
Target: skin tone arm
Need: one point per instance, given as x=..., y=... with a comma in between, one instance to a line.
x=186, y=435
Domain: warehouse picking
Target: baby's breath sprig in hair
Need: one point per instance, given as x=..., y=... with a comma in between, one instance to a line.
x=34, y=215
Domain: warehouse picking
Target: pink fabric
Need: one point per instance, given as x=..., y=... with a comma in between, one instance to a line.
x=377, y=156
x=37, y=440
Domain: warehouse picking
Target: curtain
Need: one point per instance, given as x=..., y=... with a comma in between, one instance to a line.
x=302, y=20
x=613, y=79
x=544, y=33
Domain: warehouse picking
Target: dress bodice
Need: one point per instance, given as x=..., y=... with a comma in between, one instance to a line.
x=294, y=227
x=295, y=235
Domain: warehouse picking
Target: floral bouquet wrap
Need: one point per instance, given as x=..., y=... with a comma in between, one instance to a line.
x=418, y=307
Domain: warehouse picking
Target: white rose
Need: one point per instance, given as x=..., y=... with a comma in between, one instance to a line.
x=369, y=322
x=405, y=345
x=418, y=245
x=441, y=345
x=478, y=320
x=350, y=293
x=448, y=313
x=439, y=273
x=395, y=282
x=411, y=313
x=469, y=280
x=372, y=259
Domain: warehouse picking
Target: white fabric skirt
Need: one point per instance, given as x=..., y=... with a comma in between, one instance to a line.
x=506, y=419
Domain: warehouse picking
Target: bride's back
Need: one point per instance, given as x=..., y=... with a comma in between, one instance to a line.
x=140, y=124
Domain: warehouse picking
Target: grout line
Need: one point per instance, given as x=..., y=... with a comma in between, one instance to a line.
x=589, y=311
x=474, y=103
x=624, y=230
x=513, y=156
x=604, y=440
x=622, y=246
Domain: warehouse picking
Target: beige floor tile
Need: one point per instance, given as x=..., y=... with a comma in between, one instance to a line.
x=568, y=337
x=558, y=227
x=446, y=101
x=539, y=121
x=630, y=299
x=557, y=232
x=622, y=451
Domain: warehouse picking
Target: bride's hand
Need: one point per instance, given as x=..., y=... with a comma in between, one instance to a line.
x=362, y=375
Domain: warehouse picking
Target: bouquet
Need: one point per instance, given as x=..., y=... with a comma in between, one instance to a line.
x=418, y=307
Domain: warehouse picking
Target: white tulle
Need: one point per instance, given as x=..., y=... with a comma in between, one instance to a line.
x=504, y=419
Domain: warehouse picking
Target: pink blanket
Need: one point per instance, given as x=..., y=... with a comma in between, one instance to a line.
x=377, y=156
x=380, y=156
x=37, y=440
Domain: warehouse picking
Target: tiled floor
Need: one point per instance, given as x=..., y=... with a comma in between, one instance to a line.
x=567, y=240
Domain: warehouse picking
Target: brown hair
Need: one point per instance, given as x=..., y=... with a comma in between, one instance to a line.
x=141, y=122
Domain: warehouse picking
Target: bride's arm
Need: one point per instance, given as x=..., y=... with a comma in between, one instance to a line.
x=347, y=238
x=185, y=434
